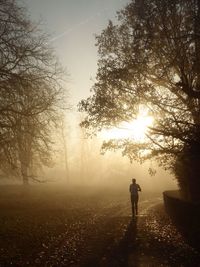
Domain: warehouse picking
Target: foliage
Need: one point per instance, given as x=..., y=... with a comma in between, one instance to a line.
x=152, y=58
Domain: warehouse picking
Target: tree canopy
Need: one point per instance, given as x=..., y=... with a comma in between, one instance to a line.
x=151, y=57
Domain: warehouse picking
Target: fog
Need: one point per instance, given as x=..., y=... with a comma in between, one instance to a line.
x=113, y=171
x=87, y=166
x=77, y=160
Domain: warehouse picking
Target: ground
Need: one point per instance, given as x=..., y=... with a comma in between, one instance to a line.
x=52, y=226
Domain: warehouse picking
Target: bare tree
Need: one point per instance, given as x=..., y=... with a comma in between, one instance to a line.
x=31, y=91
x=65, y=148
x=151, y=57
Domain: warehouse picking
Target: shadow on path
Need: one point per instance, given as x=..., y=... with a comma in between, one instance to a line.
x=128, y=245
x=125, y=252
x=149, y=239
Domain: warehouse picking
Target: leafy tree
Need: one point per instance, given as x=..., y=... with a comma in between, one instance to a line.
x=152, y=58
x=31, y=92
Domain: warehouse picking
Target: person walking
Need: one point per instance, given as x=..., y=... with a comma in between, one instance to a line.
x=134, y=189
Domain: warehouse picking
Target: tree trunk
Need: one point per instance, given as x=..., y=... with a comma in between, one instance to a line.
x=197, y=43
x=65, y=151
x=194, y=179
x=24, y=172
x=66, y=162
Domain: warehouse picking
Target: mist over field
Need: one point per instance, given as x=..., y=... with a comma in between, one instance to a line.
x=87, y=223
x=111, y=171
x=86, y=166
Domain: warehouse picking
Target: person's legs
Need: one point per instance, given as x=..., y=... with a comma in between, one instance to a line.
x=136, y=204
x=133, y=205
x=133, y=209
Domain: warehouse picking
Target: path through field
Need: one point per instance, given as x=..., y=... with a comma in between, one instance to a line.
x=111, y=238
x=49, y=227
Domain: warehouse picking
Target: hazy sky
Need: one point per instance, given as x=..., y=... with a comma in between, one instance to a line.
x=73, y=24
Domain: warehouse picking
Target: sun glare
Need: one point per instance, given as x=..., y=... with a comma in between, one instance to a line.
x=136, y=129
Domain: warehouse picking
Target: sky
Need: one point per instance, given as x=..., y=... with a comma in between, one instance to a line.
x=72, y=25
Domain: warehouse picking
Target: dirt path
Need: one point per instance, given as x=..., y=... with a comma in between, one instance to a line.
x=110, y=238
x=151, y=240
x=55, y=229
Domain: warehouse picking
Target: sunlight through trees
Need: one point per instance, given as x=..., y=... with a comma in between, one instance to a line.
x=152, y=57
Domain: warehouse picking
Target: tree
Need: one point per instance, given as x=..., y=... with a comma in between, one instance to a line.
x=31, y=92
x=64, y=135
x=152, y=58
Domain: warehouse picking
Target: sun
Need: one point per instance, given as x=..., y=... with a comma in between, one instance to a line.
x=135, y=129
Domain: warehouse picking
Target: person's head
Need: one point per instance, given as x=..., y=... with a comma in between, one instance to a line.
x=133, y=181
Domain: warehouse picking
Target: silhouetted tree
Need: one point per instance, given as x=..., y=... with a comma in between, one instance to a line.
x=152, y=58
x=84, y=155
x=64, y=136
x=31, y=92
